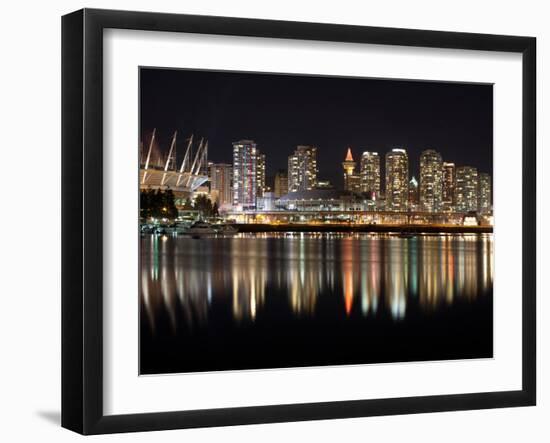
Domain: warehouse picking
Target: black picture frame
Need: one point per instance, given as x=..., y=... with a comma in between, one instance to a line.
x=82, y=218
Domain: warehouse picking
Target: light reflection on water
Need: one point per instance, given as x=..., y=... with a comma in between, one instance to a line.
x=371, y=274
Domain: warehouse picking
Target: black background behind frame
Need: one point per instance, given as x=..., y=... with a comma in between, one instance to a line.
x=82, y=219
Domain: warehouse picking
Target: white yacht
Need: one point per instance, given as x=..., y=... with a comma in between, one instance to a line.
x=199, y=229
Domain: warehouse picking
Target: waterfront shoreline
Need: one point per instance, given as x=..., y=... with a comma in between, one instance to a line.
x=417, y=229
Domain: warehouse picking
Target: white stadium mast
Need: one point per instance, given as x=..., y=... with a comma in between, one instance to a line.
x=165, y=175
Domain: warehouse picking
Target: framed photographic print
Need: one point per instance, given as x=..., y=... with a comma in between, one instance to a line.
x=270, y=221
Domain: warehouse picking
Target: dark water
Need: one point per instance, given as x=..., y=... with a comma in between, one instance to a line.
x=286, y=300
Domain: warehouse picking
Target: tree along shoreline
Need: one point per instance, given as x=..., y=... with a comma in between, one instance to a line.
x=162, y=204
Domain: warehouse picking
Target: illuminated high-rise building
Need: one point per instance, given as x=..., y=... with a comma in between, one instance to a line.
x=449, y=183
x=244, y=174
x=466, y=189
x=302, y=169
x=220, y=183
x=352, y=182
x=280, y=184
x=484, y=192
x=370, y=173
x=349, y=164
x=413, y=194
x=397, y=180
x=260, y=174
x=431, y=181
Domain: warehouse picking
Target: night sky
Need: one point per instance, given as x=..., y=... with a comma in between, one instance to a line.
x=279, y=112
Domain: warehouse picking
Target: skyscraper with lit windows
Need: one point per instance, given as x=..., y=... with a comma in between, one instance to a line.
x=413, y=194
x=397, y=180
x=449, y=182
x=484, y=193
x=370, y=173
x=302, y=169
x=220, y=183
x=260, y=173
x=244, y=174
x=431, y=181
x=466, y=192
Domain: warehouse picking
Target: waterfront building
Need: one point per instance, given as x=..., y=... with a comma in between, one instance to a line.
x=260, y=174
x=302, y=169
x=370, y=173
x=431, y=181
x=352, y=182
x=466, y=189
x=220, y=183
x=280, y=183
x=266, y=202
x=484, y=193
x=413, y=194
x=317, y=200
x=397, y=180
x=244, y=174
x=349, y=164
x=449, y=183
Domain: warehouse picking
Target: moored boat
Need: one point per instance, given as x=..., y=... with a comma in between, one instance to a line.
x=200, y=229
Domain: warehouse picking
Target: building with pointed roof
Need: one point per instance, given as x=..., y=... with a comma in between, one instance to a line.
x=352, y=182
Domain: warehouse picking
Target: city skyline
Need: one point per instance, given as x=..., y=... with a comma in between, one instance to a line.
x=280, y=112
x=441, y=186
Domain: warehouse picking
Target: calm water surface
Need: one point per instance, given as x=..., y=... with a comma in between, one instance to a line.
x=286, y=300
